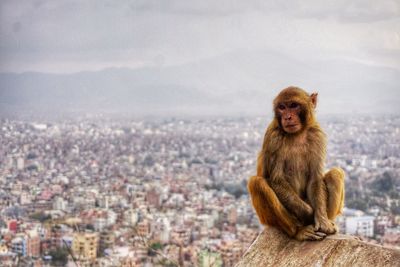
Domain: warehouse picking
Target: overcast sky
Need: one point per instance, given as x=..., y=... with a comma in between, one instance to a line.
x=73, y=36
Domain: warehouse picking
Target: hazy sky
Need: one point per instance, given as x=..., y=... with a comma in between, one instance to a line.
x=72, y=36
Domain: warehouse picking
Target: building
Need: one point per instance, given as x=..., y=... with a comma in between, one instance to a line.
x=56, y=233
x=355, y=222
x=153, y=197
x=107, y=240
x=232, y=215
x=143, y=228
x=181, y=235
x=131, y=217
x=18, y=245
x=12, y=225
x=3, y=247
x=25, y=198
x=392, y=237
x=84, y=246
x=33, y=244
x=20, y=163
x=59, y=203
x=382, y=223
x=231, y=252
x=161, y=229
x=100, y=224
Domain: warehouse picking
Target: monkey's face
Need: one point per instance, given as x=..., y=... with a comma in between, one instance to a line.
x=288, y=114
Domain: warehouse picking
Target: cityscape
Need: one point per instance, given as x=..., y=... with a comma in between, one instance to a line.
x=100, y=190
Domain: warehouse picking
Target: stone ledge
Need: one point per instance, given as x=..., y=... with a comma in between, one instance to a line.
x=274, y=248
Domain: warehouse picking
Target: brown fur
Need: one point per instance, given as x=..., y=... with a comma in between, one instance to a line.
x=290, y=190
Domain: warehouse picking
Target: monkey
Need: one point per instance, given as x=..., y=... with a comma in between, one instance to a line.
x=290, y=190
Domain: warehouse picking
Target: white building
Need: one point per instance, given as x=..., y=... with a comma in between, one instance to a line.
x=59, y=203
x=355, y=222
x=100, y=224
x=206, y=220
x=362, y=226
x=161, y=228
x=131, y=217
x=25, y=198
x=20, y=163
x=111, y=217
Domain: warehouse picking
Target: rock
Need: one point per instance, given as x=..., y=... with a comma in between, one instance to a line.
x=274, y=248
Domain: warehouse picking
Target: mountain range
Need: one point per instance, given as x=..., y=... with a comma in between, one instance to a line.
x=237, y=83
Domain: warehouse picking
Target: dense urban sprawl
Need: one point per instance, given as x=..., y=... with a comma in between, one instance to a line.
x=100, y=191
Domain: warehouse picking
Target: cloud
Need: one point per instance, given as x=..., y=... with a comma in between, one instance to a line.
x=70, y=36
x=347, y=11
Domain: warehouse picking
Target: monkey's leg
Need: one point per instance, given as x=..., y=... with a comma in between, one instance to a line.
x=334, y=180
x=269, y=209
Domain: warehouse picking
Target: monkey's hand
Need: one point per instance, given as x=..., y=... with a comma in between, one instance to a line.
x=305, y=215
x=309, y=211
x=324, y=225
x=309, y=233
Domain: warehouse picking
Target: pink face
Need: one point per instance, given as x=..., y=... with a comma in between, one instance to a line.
x=289, y=114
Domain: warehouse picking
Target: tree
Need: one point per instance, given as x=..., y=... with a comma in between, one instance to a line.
x=384, y=183
x=154, y=247
x=59, y=256
x=40, y=216
x=358, y=204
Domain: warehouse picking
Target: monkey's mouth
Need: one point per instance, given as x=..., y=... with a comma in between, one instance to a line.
x=291, y=125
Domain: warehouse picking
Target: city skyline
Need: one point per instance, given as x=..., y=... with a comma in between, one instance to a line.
x=134, y=188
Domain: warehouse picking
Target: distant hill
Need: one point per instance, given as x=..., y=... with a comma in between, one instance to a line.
x=240, y=82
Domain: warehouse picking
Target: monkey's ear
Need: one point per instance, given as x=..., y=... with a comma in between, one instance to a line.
x=314, y=98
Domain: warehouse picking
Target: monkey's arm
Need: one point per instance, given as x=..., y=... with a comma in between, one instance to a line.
x=317, y=193
x=260, y=165
x=289, y=198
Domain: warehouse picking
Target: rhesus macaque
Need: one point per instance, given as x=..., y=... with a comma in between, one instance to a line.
x=291, y=190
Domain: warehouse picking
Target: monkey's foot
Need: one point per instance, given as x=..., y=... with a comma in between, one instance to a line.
x=309, y=233
x=325, y=225
x=336, y=227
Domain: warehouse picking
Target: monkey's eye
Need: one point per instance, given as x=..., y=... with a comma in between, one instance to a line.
x=281, y=107
x=294, y=105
